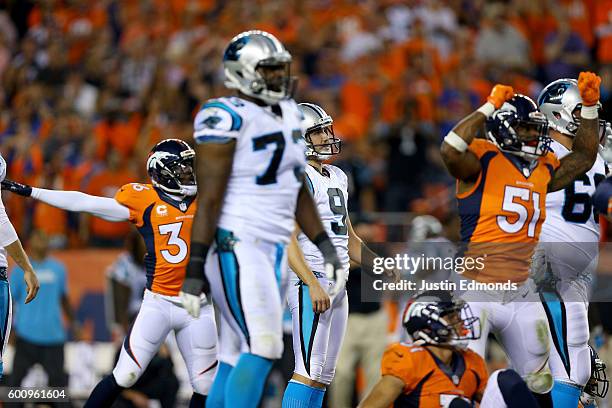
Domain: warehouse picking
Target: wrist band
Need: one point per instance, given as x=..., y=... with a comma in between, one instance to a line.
x=487, y=109
x=456, y=142
x=589, y=112
x=319, y=239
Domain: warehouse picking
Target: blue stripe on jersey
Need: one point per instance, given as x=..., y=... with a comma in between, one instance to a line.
x=230, y=274
x=469, y=207
x=147, y=233
x=236, y=119
x=5, y=301
x=309, y=183
x=555, y=312
x=213, y=139
x=280, y=252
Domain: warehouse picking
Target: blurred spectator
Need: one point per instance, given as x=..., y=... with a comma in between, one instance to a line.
x=39, y=329
x=126, y=283
x=603, y=30
x=566, y=53
x=106, y=183
x=81, y=78
x=499, y=43
x=405, y=162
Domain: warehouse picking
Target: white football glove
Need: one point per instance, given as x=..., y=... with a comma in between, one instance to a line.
x=336, y=274
x=192, y=296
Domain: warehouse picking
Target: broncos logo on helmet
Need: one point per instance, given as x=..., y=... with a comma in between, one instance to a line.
x=519, y=128
x=171, y=167
x=437, y=319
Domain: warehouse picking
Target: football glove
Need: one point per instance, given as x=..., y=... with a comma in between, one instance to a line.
x=588, y=85
x=17, y=188
x=500, y=94
x=333, y=267
x=192, y=296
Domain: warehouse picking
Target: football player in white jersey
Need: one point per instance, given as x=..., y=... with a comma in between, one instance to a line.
x=11, y=245
x=568, y=250
x=318, y=323
x=250, y=164
x=162, y=211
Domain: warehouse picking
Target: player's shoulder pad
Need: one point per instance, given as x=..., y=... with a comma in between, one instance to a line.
x=134, y=195
x=339, y=173
x=218, y=120
x=551, y=159
x=401, y=351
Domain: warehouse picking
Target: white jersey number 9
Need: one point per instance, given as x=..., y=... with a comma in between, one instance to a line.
x=520, y=210
x=174, y=230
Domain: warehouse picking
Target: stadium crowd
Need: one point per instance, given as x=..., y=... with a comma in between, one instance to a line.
x=89, y=86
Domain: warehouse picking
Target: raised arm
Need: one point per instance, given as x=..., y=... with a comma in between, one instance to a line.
x=584, y=151
x=102, y=207
x=461, y=162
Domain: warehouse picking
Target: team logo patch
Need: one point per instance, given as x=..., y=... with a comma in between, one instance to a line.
x=161, y=210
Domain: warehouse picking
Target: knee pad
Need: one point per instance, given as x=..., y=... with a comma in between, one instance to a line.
x=202, y=385
x=540, y=382
x=268, y=346
x=126, y=378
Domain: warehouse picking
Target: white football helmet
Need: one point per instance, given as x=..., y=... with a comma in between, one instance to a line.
x=243, y=59
x=558, y=101
x=315, y=118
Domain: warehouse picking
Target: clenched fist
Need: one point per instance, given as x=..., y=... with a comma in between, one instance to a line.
x=588, y=85
x=500, y=94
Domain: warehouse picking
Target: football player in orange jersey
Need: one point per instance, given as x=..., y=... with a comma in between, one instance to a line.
x=502, y=183
x=436, y=370
x=163, y=212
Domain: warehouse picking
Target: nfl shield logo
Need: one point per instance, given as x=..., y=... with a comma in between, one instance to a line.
x=183, y=206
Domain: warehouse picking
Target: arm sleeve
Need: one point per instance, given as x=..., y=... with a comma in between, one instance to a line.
x=103, y=207
x=8, y=235
x=216, y=122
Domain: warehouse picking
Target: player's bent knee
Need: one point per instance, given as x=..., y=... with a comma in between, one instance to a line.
x=202, y=385
x=126, y=378
x=541, y=381
x=268, y=346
